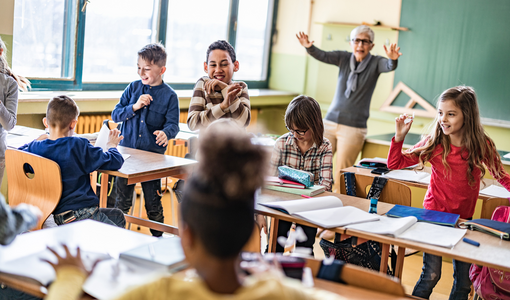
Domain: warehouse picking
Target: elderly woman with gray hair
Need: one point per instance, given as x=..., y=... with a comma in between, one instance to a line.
x=345, y=124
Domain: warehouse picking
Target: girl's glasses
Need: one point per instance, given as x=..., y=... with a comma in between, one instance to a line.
x=298, y=132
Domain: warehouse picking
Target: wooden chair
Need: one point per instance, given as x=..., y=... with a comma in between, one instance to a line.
x=363, y=278
x=490, y=205
x=393, y=192
x=34, y=180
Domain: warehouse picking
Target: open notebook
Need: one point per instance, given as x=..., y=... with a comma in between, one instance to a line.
x=410, y=229
x=326, y=212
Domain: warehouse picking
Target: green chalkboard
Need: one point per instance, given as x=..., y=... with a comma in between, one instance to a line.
x=457, y=42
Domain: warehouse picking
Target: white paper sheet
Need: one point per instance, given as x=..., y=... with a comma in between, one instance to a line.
x=495, y=191
x=409, y=175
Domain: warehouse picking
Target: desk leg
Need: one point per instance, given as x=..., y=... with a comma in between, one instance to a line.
x=385, y=252
x=103, y=197
x=273, y=236
x=401, y=253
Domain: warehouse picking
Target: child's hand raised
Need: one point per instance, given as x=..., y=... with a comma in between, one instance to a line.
x=114, y=139
x=303, y=40
x=144, y=100
x=392, y=53
x=161, y=138
x=212, y=85
x=232, y=92
x=402, y=126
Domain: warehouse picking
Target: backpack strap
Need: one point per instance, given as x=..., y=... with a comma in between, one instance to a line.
x=350, y=183
x=377, y=187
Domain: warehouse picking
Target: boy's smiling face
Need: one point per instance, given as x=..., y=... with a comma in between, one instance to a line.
x=220, y=66
x=150, y=74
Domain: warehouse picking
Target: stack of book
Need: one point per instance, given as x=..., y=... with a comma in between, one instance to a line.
x=288, y=186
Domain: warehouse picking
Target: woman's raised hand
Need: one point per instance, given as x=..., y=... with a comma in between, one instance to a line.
x=392, y=53
x=303, y=40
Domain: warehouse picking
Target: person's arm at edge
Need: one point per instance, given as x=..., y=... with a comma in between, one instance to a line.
x=328, y=57
x=9, y=110
x=14, y=221
x=123, y=111
x=67, y=285
x=171, y=126
x=275, y=161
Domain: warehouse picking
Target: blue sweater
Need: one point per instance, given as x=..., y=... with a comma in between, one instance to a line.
x=77, y=158
x=138, y=127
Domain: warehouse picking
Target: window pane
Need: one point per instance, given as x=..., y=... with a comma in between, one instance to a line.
x=115, y=30
x=42, y=38
x=192, y=26
x=252, y=39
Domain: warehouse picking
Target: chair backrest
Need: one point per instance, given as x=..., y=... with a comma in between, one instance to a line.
x=363, y=278
x=34, y=180
x=393, y=192
x=490, y=205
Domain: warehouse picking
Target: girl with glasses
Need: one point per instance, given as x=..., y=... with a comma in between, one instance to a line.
x=303, y=148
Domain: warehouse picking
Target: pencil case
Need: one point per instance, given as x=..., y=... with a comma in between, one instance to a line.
x=496, y=228
x=303, y=177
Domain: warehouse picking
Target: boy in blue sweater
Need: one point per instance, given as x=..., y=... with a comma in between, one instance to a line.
x=149, y=112
x=77, y=158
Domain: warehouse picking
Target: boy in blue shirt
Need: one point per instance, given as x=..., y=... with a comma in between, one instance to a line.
x=77, y=158
x=149, y=112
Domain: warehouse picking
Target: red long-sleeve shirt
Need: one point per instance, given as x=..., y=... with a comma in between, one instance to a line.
x=449, y=191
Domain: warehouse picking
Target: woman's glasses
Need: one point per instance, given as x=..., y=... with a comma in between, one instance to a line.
x=298, y=132
x=363, y=42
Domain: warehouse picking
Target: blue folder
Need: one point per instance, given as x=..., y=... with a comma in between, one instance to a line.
x=424, y=215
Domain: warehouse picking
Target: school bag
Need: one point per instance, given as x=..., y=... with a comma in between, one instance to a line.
x=490, y=283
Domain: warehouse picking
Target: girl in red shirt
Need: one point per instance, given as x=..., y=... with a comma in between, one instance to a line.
x=458, y=150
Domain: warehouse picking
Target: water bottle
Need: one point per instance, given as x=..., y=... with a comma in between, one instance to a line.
x=373, y=206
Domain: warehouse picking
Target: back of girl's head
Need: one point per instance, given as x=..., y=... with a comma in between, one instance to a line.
x=218, y=204
x=23, y=83
x=304, y=113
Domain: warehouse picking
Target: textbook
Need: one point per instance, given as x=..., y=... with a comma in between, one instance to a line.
x=312, y=191
x=273, y=180
x=326, y=212
x=424, y=215
x=410, y=229
x=409, y=175
x=166, y=252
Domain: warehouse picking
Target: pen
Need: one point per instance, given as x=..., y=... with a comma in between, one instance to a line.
x=469, y=241
x=305, y=196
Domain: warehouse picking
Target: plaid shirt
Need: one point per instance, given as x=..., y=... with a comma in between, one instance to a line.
x=318, y=161
x=205, y=108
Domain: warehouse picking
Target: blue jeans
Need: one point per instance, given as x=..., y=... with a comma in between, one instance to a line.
x=111, y=216
x=431, y=273
x=122, y=193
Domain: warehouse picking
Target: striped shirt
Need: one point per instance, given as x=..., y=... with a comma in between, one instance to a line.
x=316, y=160
x=204, y=108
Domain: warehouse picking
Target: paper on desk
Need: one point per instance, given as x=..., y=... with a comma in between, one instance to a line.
x=495, y=191
x=409, y=175
x=114, y=277
x=102, y=140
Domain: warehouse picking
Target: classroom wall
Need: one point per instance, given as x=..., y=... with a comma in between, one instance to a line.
x=292, y=70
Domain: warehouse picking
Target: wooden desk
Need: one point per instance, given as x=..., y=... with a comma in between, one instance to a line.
x=353, y=293
x=145, y=166
x=493, y=252
x=366, y=172
x=89, y=235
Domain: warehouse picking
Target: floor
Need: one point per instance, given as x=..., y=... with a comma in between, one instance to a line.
x=412, y=264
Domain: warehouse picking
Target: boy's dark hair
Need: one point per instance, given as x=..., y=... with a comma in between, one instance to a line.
x=221, y=45
x=304, y=113
x=218, y=202
x=61, y=111
x=154, y=53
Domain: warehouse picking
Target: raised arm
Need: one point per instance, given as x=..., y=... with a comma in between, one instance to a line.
x=396, y=158
x=331, y=57
x=390, y=64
